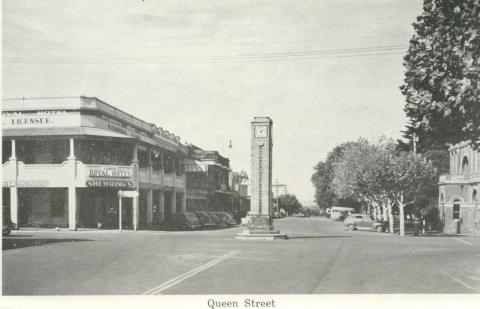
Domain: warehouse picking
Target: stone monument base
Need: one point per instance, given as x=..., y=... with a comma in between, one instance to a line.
x=273, y=235
x=261, y=228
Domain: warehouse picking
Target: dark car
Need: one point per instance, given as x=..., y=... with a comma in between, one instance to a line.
x=7, y=224
x=219, y=221
x=227, y=217
x=363, y=222
x=186, y=221
x=205, y=220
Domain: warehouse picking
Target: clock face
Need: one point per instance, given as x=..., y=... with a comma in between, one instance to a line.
x=261, y=131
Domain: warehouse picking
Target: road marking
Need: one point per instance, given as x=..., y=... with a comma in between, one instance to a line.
x=459, y=281
x=465, y=242
x=156, y=290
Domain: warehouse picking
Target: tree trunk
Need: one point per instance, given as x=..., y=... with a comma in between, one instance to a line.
x=378, y=212
x=390, y=216
x=384, y=213
x=401, y=207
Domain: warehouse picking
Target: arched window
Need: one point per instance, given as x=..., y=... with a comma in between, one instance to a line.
x=474, y=196
x=456, y=209
x=465, y=169
x=442, y=198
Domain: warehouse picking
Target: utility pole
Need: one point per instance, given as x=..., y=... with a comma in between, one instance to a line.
x=414, y=143
x=277, y=185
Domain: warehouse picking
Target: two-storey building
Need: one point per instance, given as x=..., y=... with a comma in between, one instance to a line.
x=208, y=181
x=66, y=159
x=458, y=191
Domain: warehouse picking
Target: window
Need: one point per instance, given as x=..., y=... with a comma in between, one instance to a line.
x=58, y=201
x=456, y=210
x=465, y=169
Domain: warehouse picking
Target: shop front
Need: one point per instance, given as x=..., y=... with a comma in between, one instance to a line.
x=98, y=202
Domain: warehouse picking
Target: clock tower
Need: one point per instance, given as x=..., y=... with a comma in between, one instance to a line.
x=260, y=216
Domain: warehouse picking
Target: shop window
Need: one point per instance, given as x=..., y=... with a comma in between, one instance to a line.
x=58, y=201
x=456, y=210
x=6, y=150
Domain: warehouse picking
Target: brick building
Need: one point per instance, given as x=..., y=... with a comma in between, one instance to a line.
x=458, y=191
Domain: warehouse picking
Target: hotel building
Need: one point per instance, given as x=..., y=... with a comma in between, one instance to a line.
x=68, y=162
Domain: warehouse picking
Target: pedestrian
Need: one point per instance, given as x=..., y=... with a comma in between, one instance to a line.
x=99, y=214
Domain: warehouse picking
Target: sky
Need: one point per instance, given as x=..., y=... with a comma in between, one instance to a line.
x=204, y=69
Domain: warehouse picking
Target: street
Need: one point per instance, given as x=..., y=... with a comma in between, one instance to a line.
x=319, y=257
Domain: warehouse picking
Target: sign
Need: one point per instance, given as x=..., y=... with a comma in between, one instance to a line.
x=110, y=183
x=109, y=177
x=40, y=119
x=25, y=183
x=8, y=183
x=32, y=183
x=109, y=172
x=127, y=193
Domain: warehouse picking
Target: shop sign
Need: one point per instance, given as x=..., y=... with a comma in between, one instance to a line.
x=38, y=119
x=110, y=172
x=32, y=183
x=8, y=183
x=25, y=183
x=109, y=183
x=127, y=193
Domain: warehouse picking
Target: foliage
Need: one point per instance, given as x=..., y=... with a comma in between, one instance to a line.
x=322, y=179
x=380, y=176
x=442, y=79
x=290, y=203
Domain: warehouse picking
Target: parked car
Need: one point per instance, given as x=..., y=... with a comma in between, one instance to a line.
x=186, y=221
x=227, y=217
x=7, y=224
x=205, y=220
x=363, y=222
x=219, y=221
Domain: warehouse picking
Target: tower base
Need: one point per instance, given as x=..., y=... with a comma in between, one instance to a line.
x=261, y=228
x=272, y=235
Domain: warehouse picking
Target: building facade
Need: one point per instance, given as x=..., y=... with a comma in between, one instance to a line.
x=212, y=186
x=65, y=160
x=208, y=181
x=458, y=191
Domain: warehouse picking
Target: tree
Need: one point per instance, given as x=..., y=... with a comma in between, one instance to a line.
x=322, y=179
x=442, y=79
x=382, y=177
x=290, y=203
x=411, y=177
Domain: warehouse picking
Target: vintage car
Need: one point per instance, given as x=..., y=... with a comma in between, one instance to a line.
x=363, y=222
x=205, y=219
x=227, y=217
x=186, y=221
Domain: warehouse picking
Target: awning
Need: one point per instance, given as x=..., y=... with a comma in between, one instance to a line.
x=61, y=131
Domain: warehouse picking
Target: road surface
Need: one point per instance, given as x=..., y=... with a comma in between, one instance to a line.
x=319, y=257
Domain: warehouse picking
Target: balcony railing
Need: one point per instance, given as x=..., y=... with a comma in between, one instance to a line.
x=460, y=177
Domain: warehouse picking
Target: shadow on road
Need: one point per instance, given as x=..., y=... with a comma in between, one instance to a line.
x=314, y=236
x=16, y=243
